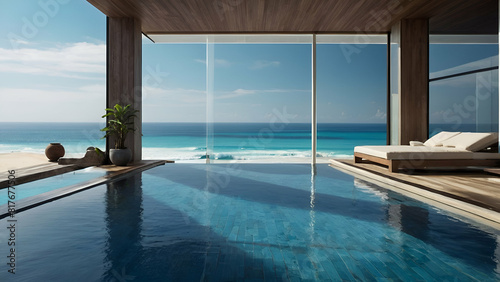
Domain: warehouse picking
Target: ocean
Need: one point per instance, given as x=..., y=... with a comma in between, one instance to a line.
x=188, y=141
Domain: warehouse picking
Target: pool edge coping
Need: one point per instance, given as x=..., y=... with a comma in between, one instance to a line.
x=50, y=196
x=37, y=172
x=455, y=206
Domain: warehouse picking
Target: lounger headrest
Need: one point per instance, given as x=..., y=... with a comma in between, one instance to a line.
x=437, y=140
x=471, y=141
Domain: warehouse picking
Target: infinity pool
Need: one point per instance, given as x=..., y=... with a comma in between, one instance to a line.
x=52, y=183
x=227, y=222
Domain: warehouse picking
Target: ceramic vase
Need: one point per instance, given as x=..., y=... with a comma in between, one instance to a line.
x=120, y=157
x=54, y=151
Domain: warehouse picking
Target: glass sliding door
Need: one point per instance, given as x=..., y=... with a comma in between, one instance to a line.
x=248, y=97
x=351, y=93
x=174, y=101
x=463, y=87
x=227, y=97
x=262, y=98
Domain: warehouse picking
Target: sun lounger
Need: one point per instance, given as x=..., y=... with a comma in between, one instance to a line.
x=445, y=149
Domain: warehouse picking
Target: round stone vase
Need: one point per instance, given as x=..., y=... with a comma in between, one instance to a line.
x=54, y=151
x=120, y=157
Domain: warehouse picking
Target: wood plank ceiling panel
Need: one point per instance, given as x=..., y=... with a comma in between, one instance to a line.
x=297, y=16
x=466, y=17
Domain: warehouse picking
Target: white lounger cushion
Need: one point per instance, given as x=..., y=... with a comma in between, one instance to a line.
x=471, y=141
x=416, y=143
x=437, y=140
x=422, y=153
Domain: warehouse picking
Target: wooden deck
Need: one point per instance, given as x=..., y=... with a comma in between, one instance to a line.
x=32, y=173
x=475, y=187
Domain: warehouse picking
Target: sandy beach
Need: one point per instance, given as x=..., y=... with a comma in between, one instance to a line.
x=10, y=161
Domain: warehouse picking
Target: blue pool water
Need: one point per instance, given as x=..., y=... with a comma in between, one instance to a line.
x=52, y=183
x=227, y=222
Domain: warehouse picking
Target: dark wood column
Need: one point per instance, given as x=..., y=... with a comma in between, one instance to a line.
x=124, y=74
x=413, y=37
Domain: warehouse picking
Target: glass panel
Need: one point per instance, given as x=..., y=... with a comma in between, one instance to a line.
x=394, y=98
x=262, y=101
x=450, y=59
x=351, y=95
x=174, y=101
x=256, y=103
x=210, y=81
x=467, y=101
x=394, y=119
x=464, y=103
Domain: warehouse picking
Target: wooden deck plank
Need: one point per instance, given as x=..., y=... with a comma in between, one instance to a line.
x=24, y=175
x=470, y=185
x=493, y=170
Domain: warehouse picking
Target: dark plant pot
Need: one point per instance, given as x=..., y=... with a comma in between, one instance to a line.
x=54, y=151
x=120, y=156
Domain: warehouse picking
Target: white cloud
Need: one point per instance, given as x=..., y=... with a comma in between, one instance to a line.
x=19, y=41
x=244, y=92
x=218, y=62
x=50, y=94
x=71, y=104
x=260, y=64
x=236, y=93
x=285, y=90
x=222, y=63
x=156, y=95
x=78, y=60
x=93, y=88
x=199, y=96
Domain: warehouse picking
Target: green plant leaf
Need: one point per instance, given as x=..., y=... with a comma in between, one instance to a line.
x=120, y=122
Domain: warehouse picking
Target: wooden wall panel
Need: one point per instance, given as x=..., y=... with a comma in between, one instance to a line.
x=124, y=74
x=414, y=96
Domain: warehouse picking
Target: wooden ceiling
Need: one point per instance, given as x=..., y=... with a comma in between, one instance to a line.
x=303, y=16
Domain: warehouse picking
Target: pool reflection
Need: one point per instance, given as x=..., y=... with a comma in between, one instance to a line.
x=123, y=226
x=454, y=237
x=150, y=241
x=458, y=239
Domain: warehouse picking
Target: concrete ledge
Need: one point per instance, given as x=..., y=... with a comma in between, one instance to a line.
x=115, y=173
x=464, y=210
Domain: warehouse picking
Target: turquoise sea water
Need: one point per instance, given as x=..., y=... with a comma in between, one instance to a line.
x=188, y=141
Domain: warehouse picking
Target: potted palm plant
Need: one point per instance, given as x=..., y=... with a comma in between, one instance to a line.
x=121, y=122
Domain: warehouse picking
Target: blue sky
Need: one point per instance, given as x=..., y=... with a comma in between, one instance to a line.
x=52, y=68
x=52, y=64
x=52, y=61
x=254, y=80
